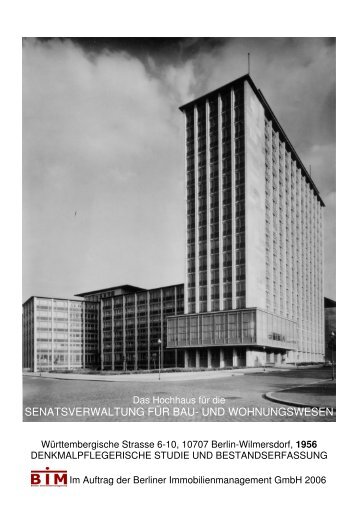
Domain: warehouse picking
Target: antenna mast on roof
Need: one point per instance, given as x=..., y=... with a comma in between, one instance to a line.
x=248, y=63
x=310, y=170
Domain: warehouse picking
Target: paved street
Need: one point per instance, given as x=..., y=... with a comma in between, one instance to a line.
x=241, y=393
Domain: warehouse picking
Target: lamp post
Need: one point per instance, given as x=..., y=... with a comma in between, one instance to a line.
x=264, y=349
x=160, y=354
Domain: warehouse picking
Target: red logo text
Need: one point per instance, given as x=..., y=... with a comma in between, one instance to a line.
x=49, y=477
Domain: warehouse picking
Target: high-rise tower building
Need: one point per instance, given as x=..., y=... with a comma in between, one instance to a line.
x=253, y=291
x=254, y=263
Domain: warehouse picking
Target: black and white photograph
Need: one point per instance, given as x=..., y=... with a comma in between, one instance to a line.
x=179, y=229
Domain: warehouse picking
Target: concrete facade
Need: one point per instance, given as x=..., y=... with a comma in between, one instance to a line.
x=254, y=200
x=254, y=232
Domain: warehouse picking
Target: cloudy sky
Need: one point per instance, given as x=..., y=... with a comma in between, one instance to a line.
x=103, y=153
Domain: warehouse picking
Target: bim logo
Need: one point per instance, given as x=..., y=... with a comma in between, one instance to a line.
x=49, y=477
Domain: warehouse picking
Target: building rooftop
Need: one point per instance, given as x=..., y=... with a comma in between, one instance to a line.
x=152, y=289
x=269, y=114
x=51, y=297
x=123, y=289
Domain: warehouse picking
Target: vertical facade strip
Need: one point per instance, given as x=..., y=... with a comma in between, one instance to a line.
x=84, y=341
x=68, y=335
x=101, y=333
x=288, y=235
x=233, y=199
x=283, y=221
x=35, y=334
x=148, y=329
x=175, y=313
x=196, y=169
x=208, y=205
x=52, y=337
x=304, y=346
x=299, y=264
x=186, y=276
x=135, y=332
x=112, y=329
x=161, y=328
x=275, y=222
x=124, y=333
x=270, y=171
x=294, y=242
x=220, y=168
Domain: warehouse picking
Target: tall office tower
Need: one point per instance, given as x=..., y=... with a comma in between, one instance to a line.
x=254, y=272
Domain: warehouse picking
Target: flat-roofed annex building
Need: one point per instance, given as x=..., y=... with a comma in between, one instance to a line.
x=60, y=334
x=254, y=263
x=133, y=326
x=117, y=328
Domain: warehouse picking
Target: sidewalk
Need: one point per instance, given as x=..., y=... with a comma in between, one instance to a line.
x=154, y=377
x=319, y=394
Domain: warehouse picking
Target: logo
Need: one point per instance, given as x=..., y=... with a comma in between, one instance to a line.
x=49, y=477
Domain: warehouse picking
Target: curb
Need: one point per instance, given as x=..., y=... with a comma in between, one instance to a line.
x=153, y=377
x=271, y=396
x=132, y=378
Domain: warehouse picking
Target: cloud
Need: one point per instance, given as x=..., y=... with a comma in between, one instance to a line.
x=102, y=135
x=98, y=133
